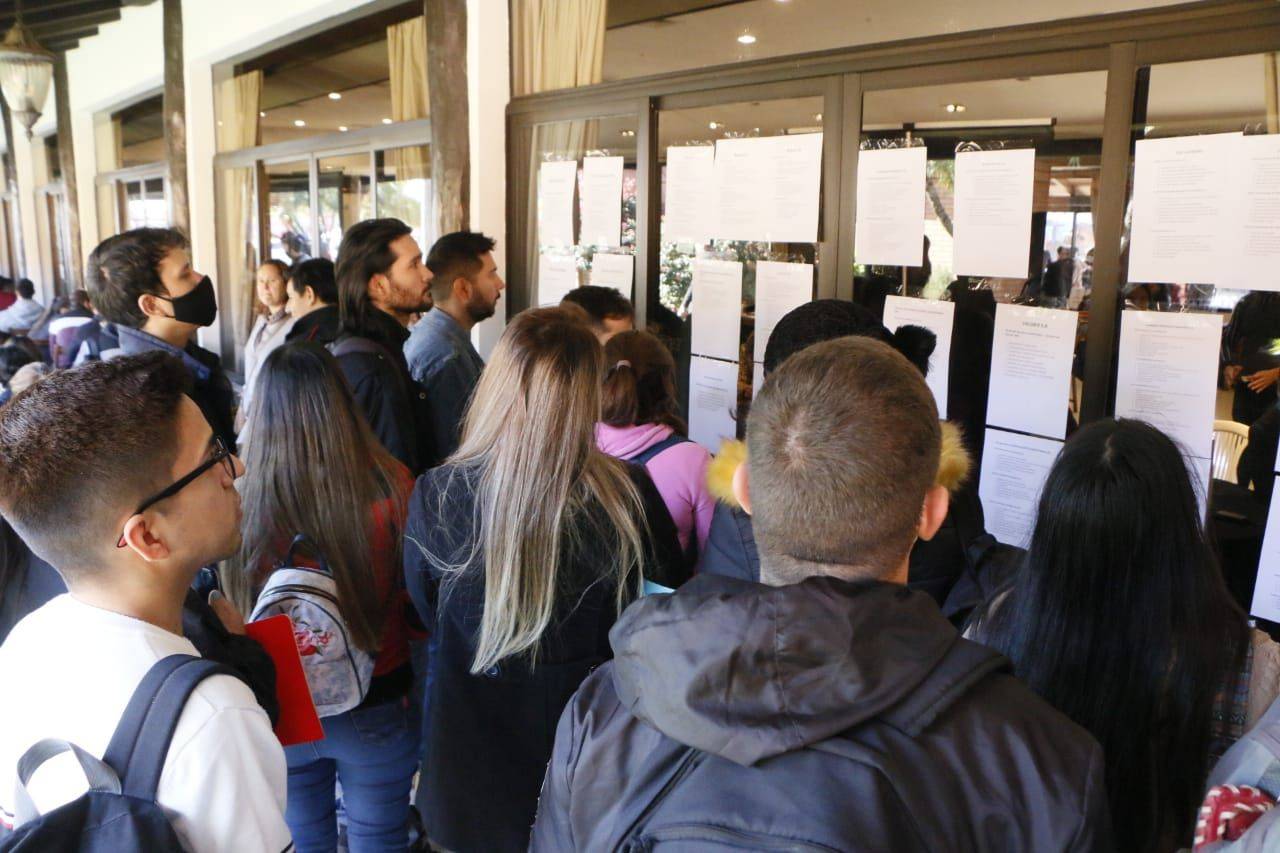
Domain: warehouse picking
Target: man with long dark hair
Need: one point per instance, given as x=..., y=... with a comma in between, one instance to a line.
x=382, y=285
x=827, y=707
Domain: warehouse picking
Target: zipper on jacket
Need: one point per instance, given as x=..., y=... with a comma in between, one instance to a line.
x=734, y=838
x=686, y=766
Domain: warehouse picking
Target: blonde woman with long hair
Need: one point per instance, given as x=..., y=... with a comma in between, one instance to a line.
x=521, y=551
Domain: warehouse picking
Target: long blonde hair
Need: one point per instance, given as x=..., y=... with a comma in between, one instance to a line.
x=529, y=440
x=313, y=466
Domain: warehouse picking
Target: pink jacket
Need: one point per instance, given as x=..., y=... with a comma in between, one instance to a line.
x=679, y=472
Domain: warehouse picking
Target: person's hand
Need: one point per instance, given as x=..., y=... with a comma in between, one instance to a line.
x=1230, y=374
x=1262, y=380
x=227, y=612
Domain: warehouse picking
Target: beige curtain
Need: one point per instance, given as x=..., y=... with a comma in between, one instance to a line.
x=407, y=57
x=237, y=103
x=557, y=45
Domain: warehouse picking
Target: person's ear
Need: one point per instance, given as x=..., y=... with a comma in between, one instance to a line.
x=937, y=502
x=462, y=289
x=378, y=287
x=140, y=538
x=149, y=304
x=742, y=487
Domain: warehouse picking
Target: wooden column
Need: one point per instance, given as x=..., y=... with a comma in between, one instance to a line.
x=447, y=93
x=175, y=117
x=67, y=161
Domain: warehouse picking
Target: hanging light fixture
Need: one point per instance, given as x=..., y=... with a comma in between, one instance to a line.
x=26, y=70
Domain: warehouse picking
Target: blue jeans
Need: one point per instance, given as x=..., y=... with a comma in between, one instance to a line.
x=373, y=752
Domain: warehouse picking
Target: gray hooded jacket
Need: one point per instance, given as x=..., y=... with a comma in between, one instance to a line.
x=822, y=716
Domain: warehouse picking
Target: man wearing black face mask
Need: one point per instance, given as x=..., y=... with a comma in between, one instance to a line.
x=143, y=282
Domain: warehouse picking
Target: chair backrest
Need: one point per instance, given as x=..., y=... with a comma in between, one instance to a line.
x=1229, y=441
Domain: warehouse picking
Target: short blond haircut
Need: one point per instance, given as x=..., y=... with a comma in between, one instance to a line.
x=843, y=443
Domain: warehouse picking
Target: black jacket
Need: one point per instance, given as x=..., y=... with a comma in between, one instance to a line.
x=321, y=326
x=822, y=716
x=488, y=737
x=394, y=404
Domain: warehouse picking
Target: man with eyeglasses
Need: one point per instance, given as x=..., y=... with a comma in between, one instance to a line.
x=112, y=474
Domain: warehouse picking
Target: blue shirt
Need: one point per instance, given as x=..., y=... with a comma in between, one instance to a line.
x=442, y=359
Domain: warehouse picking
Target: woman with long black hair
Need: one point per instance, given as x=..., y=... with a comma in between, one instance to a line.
x=1120, y=618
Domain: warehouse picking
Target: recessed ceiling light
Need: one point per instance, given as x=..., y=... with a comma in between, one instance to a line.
x=219, y=124
x=342, y=128
x=817, y=117
x=628, y=133
x=746, y=38
x=262, y=115
x=954, y=108
x=714, y=125
x=386, y=121
x=335, y=96
x=297, y=122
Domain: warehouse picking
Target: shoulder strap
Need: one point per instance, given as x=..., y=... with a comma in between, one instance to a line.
x=643, y=457
x=140, y=744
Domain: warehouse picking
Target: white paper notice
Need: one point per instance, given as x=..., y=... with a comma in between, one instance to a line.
x=1257, y=207
x=889, y=228
x=767, y=188
x=1014, y=468
x=1031, y=369
x=713, y=401
x=689, y=216
x=557, y=275
x=1168, y=374
x=717, y=308
x=601, y=201
x=992, y=225
x=780, y=287
x=555, y=202
x=1266, y=594
x=616, y=271
x=1183, y=194
x=937, y=317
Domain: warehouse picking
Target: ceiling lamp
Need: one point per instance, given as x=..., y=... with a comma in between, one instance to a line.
x=954, y=108
x=26, y=70
x=335, y=96
x=746, y=38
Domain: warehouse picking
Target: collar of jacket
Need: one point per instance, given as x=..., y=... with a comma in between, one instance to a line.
x=747, y=671
x=135, y=341
x=320, y=325
x=381, y=327
x=954, y=464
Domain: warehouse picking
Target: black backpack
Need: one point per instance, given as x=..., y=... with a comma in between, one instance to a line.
x=119, y=811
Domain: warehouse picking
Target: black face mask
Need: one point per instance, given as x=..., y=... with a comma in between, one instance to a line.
x=199, y=307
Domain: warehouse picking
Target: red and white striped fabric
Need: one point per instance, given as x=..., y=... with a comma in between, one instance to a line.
x=1228, y=811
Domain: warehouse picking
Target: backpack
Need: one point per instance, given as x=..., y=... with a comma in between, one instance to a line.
x=643, y=458
x=672, y=823
x=338, y=672
x=119, y=811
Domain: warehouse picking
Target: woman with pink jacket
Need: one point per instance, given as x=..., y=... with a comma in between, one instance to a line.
x=641, y=423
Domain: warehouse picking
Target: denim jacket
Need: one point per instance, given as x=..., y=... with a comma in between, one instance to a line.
x=442, y=359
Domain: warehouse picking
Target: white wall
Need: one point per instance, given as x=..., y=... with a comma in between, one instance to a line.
x=488, y=90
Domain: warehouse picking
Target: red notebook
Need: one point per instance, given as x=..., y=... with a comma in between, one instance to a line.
x=299, y=722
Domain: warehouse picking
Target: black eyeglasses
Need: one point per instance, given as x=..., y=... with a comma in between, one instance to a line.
x=220, y=454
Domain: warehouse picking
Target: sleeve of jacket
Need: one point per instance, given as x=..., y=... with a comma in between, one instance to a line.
x=378, y=395
x=1094, y=833
x=553, y=829
x=447, y=394
x=420, y=581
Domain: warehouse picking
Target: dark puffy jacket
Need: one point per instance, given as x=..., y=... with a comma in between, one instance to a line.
x=826, y=715
x=393, y=403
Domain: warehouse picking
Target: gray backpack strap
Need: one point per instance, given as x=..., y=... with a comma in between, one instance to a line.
x=100, y=776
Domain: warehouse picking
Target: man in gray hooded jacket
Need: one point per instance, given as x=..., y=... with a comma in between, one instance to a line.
x=829, y=708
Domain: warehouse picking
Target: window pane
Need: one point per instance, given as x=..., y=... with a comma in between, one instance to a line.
x=404, y=190
x=289, y=209
x=345, y=198
x=1230, y=438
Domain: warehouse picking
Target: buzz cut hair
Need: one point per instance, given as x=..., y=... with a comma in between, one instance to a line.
x=843, y=444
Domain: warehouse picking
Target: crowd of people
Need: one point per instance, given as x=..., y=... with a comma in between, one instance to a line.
x=564, y=625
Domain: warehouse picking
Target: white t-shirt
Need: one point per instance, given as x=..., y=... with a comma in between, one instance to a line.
x=68, y=670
